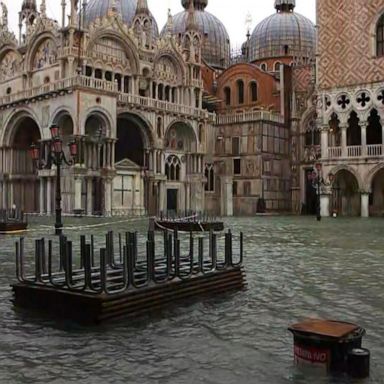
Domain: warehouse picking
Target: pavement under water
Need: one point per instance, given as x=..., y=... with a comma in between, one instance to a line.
x=296, y=268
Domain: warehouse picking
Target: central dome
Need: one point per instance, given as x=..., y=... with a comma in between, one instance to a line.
x=286, y=33
x=216, y=44
x=125, y=8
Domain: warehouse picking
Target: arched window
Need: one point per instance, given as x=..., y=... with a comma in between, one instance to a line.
x=380, y=37
x=263, y=67
x=227, y=94
x=240, y=90
x=172, y=168
x=277, y=66
x=159, y=126
x=210, y=176
x=253, y=90
x=201, y=132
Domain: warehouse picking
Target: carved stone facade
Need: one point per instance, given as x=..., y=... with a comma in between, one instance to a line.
x=131, y=100
x=350, y=106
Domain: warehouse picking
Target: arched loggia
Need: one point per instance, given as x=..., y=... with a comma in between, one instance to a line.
x=20, y=185
x=345, y=194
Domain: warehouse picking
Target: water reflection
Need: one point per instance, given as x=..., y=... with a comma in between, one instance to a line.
x=295, y=267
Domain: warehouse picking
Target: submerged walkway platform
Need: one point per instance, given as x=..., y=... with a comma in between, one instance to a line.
x=123, y=284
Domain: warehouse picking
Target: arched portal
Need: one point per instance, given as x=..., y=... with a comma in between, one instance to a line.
x=377, y=196
x=345, y=194
x=20, y=186
x=132, y=139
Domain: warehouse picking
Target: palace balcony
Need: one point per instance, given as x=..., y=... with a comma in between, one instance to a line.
x=68, y=85
x=355, y=151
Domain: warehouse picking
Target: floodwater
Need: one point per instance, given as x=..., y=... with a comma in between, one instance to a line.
x=296, y=268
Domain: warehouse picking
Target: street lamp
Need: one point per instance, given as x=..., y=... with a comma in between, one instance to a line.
x=56, y=156
x=317, y=181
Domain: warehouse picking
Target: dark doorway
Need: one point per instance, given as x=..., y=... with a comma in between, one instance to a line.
x=310, y=195
x=130, y=143
x=97, y=196
x=172, y=200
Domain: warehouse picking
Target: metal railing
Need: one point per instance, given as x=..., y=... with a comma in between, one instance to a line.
x=121, y=268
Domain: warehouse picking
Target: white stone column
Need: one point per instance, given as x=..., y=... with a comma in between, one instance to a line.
x=41, y=206
x=344, y=150
x=162, y=197
x=363, y=126
x=136, y=194
x=49, y=196
x=5, y=195
x=108, y=196
x=364, y=204
x=89, y=196
x=1, y=194
x=324, y=143
x=324, y=205
x=78, y=184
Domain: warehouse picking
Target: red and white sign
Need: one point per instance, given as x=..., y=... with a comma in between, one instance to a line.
x=311, y=355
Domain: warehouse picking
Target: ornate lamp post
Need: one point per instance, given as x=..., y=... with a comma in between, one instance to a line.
x=56, y=156
x=317, y=181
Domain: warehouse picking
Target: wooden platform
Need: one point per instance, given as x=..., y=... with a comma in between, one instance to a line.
x=121, y=283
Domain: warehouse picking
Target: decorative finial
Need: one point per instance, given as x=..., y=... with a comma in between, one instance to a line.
x=285, y=5
x=43, y=8
x=142, y=7
x=198, y=4
x=191, y=20
x=169, y=27
x=4, y=16
x=248, y=23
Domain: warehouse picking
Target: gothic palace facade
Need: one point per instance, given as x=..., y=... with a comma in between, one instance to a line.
x=171, y=121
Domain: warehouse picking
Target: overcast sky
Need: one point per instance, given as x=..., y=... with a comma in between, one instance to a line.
x=231, y=12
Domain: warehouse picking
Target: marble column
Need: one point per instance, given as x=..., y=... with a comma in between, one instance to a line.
x=136, y=194
x=324, y=205
x=78, y=185
x=41, y=202
x=344, y=150
x=364, y=204
x=324, y=143
x=363, y=126
x=49, y=196
x=89, y=196
x=108, y=196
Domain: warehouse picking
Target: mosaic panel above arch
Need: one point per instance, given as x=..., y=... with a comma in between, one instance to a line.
x=10, y=65
x=45, y=55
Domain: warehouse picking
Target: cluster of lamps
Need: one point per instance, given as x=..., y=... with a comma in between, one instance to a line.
x=57, y=157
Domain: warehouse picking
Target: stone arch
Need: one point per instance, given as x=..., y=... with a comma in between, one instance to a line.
x=175, y=59
x=371, y=175
x=348, y=168
x=375, y=186
x=105, y=118
x=134, y=138
x=13, y=120
x=346, y=189
x=181, y=136
x=126, y=43
x=354, y=130
x=22, y=187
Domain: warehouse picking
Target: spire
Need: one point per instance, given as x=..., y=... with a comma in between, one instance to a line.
x=191, y=20
x=169, y=26
x=198, y=4
x=285, y=5
x=4, y=16
x=29, y=5
x=142, y=7
x=43, y=8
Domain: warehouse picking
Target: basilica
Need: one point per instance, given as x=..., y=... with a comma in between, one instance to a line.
x=174, y=120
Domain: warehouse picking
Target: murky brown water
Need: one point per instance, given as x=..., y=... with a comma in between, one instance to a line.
x=295, y=268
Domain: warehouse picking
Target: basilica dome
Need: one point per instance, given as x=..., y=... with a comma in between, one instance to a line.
x=286, y=33
x=125, y=8
x=216, y=44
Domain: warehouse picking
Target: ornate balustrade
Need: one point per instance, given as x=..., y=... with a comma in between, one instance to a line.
x=375, y=150
x=249, y=116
